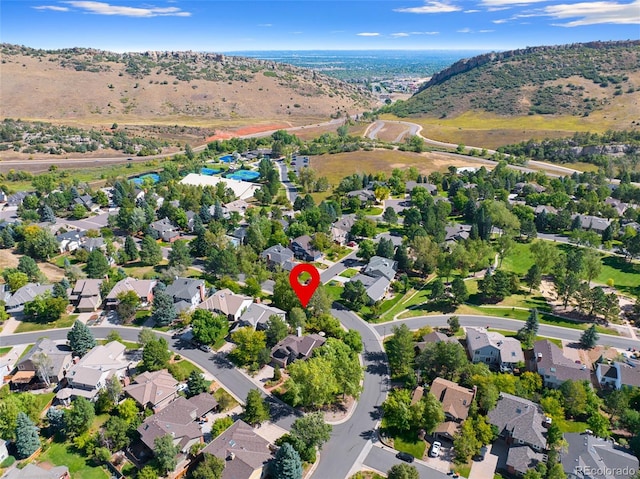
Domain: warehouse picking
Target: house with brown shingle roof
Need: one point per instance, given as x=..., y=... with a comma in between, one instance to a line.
x=153, y=390
x=295, y=347
x=142, y=287
x=228, y=303
x=554, y=367
x=434, y=337
x=85, y=295
x=244, y=452
x=456, y=401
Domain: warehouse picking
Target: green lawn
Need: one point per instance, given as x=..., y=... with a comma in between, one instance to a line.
x=127, y=344
x=626, y=276
x=334, y=290
x=349, y=273
x=463, y=469
x=511, y=334
x=182, y=369
x=5, y=350
x=62, y=454
x=571, y=426
x=519, y=259
x=66, y=321
x=141, y=317
x=410, y=444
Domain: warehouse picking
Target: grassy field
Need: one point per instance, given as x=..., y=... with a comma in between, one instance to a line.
x=131, y=346
x=66, y=321
x=411, y=444
x=5, y=350
x=625, y=275
x=63, y=454
x=182, y=369
x=349, y=273
x=519, y=260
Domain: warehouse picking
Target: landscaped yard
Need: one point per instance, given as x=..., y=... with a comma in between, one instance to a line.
x=62, y=454
x=182, y=369
x=349, y=273
x=127, y=344
x=625, y=275
x=66, y=321
x=410, y=444
x=519, y=259
x=5, y=350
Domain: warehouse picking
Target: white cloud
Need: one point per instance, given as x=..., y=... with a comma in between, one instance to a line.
x=593, y=13
x=102, y=8
x=502, y=20
x=485, y=31
x=430, y=7
x=400, y=34
x=425, y=33
x=464, y=30
x=51, y=7
x=265, y=25
x=368, y=34
x=472, y=11
x=508, y=3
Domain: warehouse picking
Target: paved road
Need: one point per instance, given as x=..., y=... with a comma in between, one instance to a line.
x=333, y=271
x=292, y=191
x=506, y=324
x=382, y=459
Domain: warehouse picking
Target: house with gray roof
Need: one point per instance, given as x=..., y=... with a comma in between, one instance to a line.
x=619, y=374
x=187, y=293
x=165, y=230
x=302, y=249
x=365, y=196
x=153, y=390
x=34, y=471
x=341, y=229
x=376, y=287
x=434, y=337
x=519, y=421
x=60, y=358
x=245, y=453
x=493, y=349
x=590, y=457
x=295, y=347
x=379, y=266
x=257, y=315
x=593, y=223
x=85, y=295
x=228, y=303
x=26, y=294
x=70, y=241
x=410, y=185
x=453, y=234
x=522, y=458
x=90, y=244
x=279, y=256
x=554, y=367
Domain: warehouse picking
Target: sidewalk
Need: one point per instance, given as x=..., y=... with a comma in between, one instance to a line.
x=10, y=325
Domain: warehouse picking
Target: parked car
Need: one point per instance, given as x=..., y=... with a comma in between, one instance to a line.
x=405, y=456
x=351, y=244
x=435, y=449
x=480, y=456
x=206, y=348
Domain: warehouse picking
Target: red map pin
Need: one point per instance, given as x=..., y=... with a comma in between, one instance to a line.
x=304, y=291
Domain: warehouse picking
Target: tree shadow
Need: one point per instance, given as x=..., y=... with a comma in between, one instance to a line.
x=376, y=362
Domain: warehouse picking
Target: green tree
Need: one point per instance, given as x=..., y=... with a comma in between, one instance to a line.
x=15, y=280
x=146, y=335
x=128, y=410
x=29, y=267
x=130, y=249
x=277, y=330
x=38, y=243
x=256, y=408
x=589, y=338
x=27, y=439
x=211, y=467
x=311, y=430
x=128, y=304
x=165, y=453
x=97, y=264
x=354, y=294
x=545, y=255
x=533, y=277
x=113, y=388
x=147, y=472
x=155, y=355
x=345, y=366
x=287, y=463
x=196, y=384
x=163, y=310
x=208, y=328
x=115, y=434
x=366, y=250
x=459, y=291
x=465, y=442
x=454, y=324
x=79, y=417
x=397, y=410
x=527, y=334
x=574, y=397
x=427, y=413
x=311, y=382
x=150, y=251
x=403, y=471
x=444, y=359
x=249, y=343
x=80, y=338
x=390, y=215
x=179, y=254
x=400, y=351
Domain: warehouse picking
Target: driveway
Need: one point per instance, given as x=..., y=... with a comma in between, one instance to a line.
x=487, y=467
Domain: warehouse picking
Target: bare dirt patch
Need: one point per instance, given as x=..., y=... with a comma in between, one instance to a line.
x=392, y=132
x=8, y=259
x=247, y=130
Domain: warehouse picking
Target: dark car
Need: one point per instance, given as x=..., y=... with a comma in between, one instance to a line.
x=405, y=456
x=481, y=454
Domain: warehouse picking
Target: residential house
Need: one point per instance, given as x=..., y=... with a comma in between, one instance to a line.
x=593, y=223
x=238, y=206
x=89, y=375
x=379, y=266
x=295, y=347
x=69, y=241
x=191, y=220
x=617, y=205
x=590, y=457
x=257, y=315
x=153, y=390
x=4, y=453
x=618, y=374
x=341, y=229
x=554, y=367
x=245, y=453
x=85, y=295
x=456, y=401
x=519, y=422
x=34, y=471
x=454, y=234
x=187, y=293
x=240, y=234
x=142, y=287
x=179, y=419
x=365, y=196
x=87, y=202
x=90, y=244
x=376, y=287
x=434, y=337
x=546, y=209
x=228, y=303
x=493, y=349
x=303, y=250
x=16, y=199
x=522, y=458
x=59, y=358
x=165, y=230
x=26, y=294
x=410, y=185
x=279, y=256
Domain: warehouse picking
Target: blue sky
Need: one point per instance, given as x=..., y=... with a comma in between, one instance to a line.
x=237, y=25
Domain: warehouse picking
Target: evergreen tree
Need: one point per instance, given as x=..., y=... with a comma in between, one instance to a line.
x=287, y=463
x=97, y=264
x=402, y=258
x=150, y=251
x=55, y=419
x=27, y=440
x=80, y=338
x=533, y=277
x=256, y=409
x=29, y=267
x=196, y=384
x=179, y=254
x=59, y=291
x=390, y=215
x=47, y=215
x=155, y=355
x=7, y=238
x=164, y=312
x=459, y=291
x=529, y=331
x=165, y=453
x=385, y=248
x=400, y=351
x=211, y=467
x=130, y=249
x=589, y=338
x=277, y=330
x=355, y=294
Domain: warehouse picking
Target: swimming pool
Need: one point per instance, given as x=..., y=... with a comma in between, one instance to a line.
x=244, y=175
x=209, y=171
x=155, y=177
x=226, y=158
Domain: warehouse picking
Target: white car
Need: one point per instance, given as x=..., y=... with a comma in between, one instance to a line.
x=435, y=449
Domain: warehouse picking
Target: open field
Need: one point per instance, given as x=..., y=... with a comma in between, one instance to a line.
x=10, y=260
x=337, y=166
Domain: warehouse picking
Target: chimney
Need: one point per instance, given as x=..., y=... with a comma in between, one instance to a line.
x=299, y=331
x=231, y=456
x=539, y=357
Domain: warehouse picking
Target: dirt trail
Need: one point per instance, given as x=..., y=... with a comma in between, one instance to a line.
x=247, y=130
